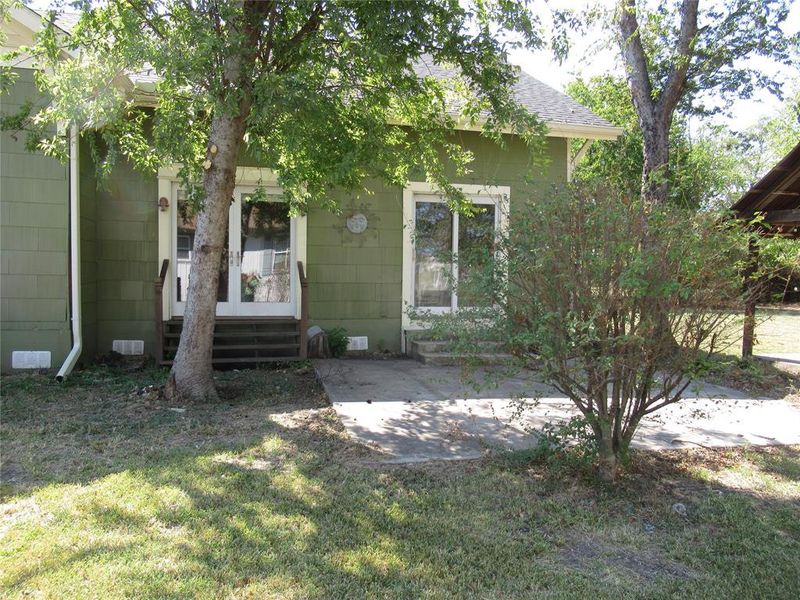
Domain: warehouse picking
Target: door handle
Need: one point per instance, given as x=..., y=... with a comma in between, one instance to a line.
x=238, y=259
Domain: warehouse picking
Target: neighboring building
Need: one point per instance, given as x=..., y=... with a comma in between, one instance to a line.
x=776, y=196
x=776, y=199
x=362, y=266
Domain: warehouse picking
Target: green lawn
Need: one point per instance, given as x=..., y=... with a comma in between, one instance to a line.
x=777, y=331
x=109, y=492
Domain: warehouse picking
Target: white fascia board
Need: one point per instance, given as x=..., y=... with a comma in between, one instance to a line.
x=32, y=20
x=590, y=132
x=562, y=130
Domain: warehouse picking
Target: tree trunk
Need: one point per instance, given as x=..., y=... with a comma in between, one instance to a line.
x=655, y=108
x=655, y=187
x=192, y=375
x=608, y=461
x=751, y=296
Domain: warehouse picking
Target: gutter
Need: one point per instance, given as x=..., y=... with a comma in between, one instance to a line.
x=74, y=254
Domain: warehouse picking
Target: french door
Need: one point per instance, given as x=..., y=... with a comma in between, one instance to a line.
x=257, y=273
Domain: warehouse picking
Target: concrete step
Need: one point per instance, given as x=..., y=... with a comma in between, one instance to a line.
x=440, y=352
x=453, y=358
x=446, y=346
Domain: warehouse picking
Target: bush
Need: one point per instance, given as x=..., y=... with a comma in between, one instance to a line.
x=337, y=341
x=616, y=303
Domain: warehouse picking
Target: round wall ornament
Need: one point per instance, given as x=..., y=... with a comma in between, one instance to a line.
x=357, y=223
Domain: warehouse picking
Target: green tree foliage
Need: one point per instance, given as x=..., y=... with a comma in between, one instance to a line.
x=329, y=83
x=759, y=147
x=700, y=175
x=681, y=60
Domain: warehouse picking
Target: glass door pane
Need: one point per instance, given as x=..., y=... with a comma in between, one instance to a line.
x=265, y=251
x=185, y=230
x=433, y=246
x=475, y=245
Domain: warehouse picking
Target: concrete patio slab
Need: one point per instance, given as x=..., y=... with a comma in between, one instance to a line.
x=415, y=412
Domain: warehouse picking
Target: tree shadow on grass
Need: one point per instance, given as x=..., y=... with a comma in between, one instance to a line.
x=261, y=498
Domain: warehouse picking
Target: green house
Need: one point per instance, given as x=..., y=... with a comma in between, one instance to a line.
x=81, y=263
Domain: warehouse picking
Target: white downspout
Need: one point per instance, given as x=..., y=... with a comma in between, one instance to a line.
x=74, y=254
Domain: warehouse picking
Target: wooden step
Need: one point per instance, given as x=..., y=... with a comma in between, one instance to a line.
x=242, y=334
x=242, y=340
x=247, y=360
x=246, y=346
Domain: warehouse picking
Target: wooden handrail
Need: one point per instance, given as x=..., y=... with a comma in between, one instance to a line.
x=303, y=310
x=163, y=274
x=159, y=310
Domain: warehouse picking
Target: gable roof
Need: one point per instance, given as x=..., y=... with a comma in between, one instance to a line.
x=555, y=108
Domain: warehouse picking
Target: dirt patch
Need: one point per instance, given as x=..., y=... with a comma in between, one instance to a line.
x=602, y=559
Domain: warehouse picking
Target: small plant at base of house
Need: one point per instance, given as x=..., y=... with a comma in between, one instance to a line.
x=337, y=341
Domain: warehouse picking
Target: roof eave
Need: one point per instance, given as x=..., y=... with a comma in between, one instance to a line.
x=145, y=95
x=561, y=130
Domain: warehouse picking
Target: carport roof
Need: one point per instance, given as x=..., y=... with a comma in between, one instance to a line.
x=776, y=195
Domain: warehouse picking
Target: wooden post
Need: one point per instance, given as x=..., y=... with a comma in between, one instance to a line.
x=303, y=310
x=751, y=296
x=159, y=310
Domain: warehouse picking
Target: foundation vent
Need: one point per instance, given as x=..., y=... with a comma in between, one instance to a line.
x=128, y=347
x=30, y=359
x=358, y=342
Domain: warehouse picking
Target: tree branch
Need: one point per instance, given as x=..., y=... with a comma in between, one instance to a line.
x=673, y=88
x=636, y=70
x=310, y=26
x=143, y=13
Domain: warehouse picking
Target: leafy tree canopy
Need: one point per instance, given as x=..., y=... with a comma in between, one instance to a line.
x=719, y=60
x=330, y=81
x=700, y=175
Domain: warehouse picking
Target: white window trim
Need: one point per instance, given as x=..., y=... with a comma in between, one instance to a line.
x=245, y=176
x=500, y=196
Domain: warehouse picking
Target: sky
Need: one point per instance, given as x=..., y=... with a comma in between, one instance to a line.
x=587, y=58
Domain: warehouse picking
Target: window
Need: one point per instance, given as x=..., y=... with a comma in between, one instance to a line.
x=184, y=247
x=446, y=247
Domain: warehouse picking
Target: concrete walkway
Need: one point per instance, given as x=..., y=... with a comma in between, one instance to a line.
x=416, y=412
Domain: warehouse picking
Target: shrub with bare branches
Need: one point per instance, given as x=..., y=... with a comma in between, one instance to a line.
x=583, y=285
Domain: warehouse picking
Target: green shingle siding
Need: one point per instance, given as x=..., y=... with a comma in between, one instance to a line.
x=126, y=258
x=34, y=200
x=355, y=280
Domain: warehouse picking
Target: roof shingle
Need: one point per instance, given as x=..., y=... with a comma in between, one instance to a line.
x=539, y=98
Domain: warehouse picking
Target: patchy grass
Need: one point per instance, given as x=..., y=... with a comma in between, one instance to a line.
x=110, y=492
x=777, y=332
x=755, y=376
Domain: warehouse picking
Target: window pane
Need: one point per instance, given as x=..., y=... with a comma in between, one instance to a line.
x=433, y=251
x=266, y=231
x=475, y=245
x=186, y=225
